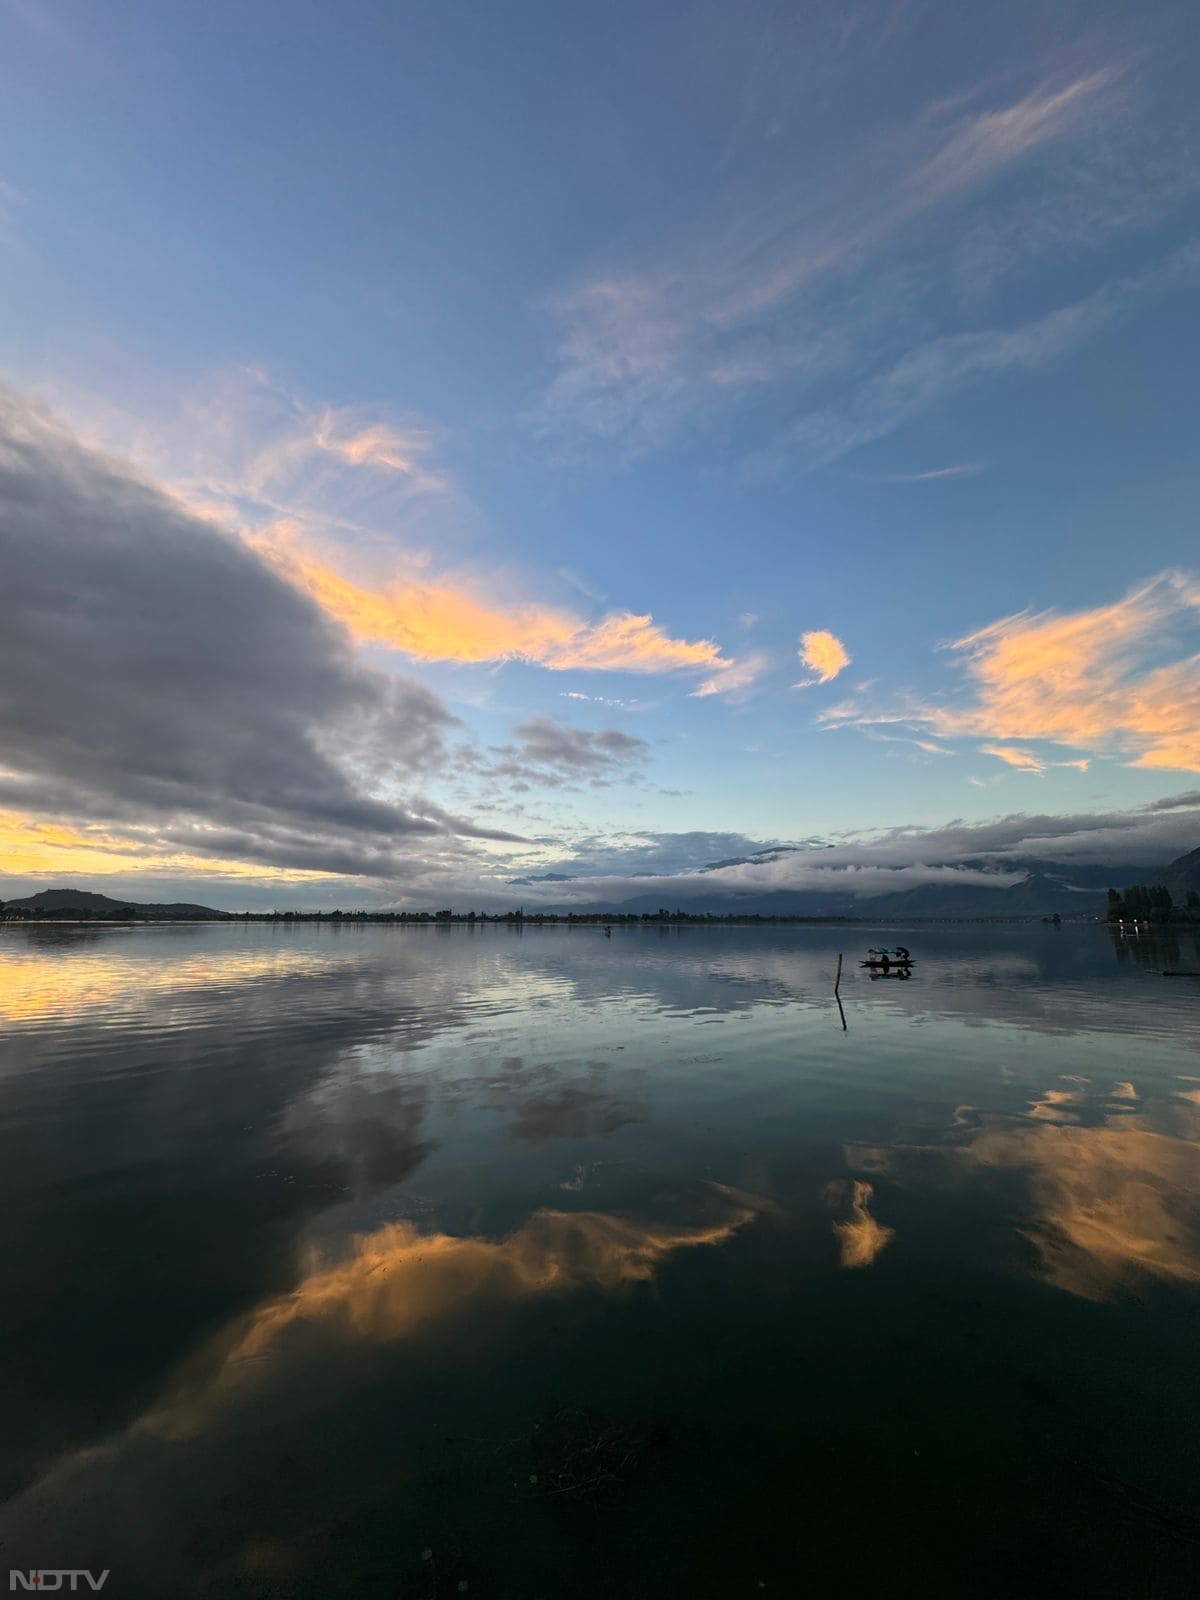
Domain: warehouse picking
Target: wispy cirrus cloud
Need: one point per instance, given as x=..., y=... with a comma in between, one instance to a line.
x=988, y=141
x=1028, y=760
x=1110, y=680
x=771, y=295
x=929, y=373
x=893, y=178
x=927, y=746
x=1014, y=756
x=250, y=452
x=734, y=679
x=967, y=469
x=378, y=444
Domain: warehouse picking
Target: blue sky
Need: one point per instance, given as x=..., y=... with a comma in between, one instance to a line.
x=483, y=331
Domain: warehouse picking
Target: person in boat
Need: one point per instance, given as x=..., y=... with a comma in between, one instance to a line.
x=885, y=958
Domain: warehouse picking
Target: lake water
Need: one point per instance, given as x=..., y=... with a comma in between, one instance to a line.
x=424, y=1262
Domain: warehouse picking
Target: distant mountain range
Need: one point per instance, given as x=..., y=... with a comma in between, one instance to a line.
x=72, y=904
x=1047, y=887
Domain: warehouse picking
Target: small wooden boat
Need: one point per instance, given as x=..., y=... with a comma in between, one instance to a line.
x=885, y=960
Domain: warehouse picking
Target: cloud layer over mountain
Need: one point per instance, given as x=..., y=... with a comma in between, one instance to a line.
x=995, y=854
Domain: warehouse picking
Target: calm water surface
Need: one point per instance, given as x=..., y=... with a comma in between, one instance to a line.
x=423, y=1262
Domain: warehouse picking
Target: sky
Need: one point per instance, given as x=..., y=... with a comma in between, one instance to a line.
x=443, y=444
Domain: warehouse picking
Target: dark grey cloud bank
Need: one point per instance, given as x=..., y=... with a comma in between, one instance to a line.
x=558, y=747
x=156, y=677
x=551, y=754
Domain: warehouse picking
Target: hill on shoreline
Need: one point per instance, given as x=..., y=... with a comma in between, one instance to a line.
x=84, y=905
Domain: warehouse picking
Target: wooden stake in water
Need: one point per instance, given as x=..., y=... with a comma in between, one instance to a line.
x=836, y=985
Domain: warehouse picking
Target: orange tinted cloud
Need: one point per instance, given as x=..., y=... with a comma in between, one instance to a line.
x=1083, y=679
x=1091, y=680
x=1024, y=760
x=824, y=654
x=1027, y=760
x=443, y=622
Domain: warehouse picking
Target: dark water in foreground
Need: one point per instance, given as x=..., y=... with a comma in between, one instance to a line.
x=422, y=1262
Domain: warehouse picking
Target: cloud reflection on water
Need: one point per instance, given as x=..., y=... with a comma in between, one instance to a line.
x=34, y=989
x=860, y=1236
x=397, y=1280
x=1108, y=1208
x=309, y=1074
x=373, y=1293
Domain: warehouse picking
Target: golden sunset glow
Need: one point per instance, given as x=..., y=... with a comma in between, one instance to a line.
x=35, y=848
x=443, y=622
